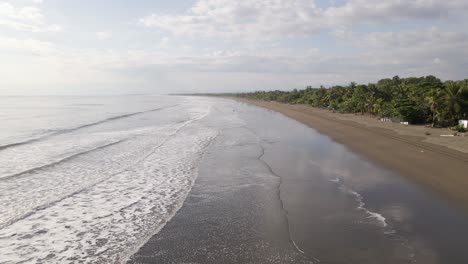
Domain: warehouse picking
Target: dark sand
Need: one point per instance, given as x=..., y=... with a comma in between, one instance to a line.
x=266, y=193
x=442, y=169
x=230, y=216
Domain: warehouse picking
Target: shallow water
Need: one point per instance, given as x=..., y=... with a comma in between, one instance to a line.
x=94, y=190
x=93, y=179
x=271, y=190
x=344, y=209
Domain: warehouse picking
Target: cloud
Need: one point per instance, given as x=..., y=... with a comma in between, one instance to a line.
x=26, y=46
x=378, y=55
x=369, y=55
x=254, y=45
x=281, y=18
x=356, y=11
x=29, y=18
x=32, y=66
x=433, y=40
x=103, y=35
x=422, y=52
x=249, y=18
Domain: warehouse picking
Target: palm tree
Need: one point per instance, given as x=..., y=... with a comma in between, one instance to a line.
x=431, y=99
x=453, y=97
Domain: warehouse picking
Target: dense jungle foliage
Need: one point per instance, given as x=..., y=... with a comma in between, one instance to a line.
x=417, y=100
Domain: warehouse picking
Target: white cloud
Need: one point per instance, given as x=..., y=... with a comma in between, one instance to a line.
x=29, y=18
x=249, y=18
x=354, y=11
x=423, y=52
x=374, y=55
x=103, y=35
x=250, y=46
x=382, y=54
x=279, y=18
x=437, y=40
x=378, y=55
x=26, y=46
x=35, y=66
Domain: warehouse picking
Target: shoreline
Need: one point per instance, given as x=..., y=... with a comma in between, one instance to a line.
x=443, y=170
x=271, y=190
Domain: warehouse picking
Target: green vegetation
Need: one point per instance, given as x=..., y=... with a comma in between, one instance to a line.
x=460, y=128
x=416, y=100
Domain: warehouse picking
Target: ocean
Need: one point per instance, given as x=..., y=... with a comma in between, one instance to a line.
x=148, y=178
x=91, y=178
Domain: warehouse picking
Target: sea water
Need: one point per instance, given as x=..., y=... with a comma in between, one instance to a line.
x=89, y=179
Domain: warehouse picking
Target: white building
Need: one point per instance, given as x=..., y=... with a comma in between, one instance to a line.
x=463, y=123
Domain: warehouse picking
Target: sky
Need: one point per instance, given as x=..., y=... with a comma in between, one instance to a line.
x=189, y=46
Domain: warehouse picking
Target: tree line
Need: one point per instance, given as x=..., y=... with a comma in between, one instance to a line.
x=418, y=100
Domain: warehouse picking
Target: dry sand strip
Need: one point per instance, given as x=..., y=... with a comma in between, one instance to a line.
x=442, y=169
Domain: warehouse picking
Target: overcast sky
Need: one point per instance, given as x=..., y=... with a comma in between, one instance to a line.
x=159, y=46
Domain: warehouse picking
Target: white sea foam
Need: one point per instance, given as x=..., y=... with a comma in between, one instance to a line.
x=38, y=189
x=362, y=206
x=380, y=219
x=100, y=207
x=23, y=158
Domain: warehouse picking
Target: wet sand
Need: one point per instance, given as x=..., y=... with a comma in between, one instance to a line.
x=443, y=169
x=272, y=190
x=233, y=213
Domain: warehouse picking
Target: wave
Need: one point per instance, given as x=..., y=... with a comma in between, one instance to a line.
x=32, y=170
x=380, y=218
x=94, y=183
x=361, y=205
x=68, y=130
x=110, y=219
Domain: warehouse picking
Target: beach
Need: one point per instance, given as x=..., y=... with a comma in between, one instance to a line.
x=227, y=132
x=272, y=190
x=191, y=179
x=440, y=163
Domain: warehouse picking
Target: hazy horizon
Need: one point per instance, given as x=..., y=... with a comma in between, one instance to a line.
x=156, y=47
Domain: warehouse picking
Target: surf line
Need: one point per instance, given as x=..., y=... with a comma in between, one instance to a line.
x=69, y=130
x=141, y=159
x=54, y=163
x=361, y=205
x=126, y=256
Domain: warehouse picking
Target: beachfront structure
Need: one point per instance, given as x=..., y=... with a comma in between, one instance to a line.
x=463, y=123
